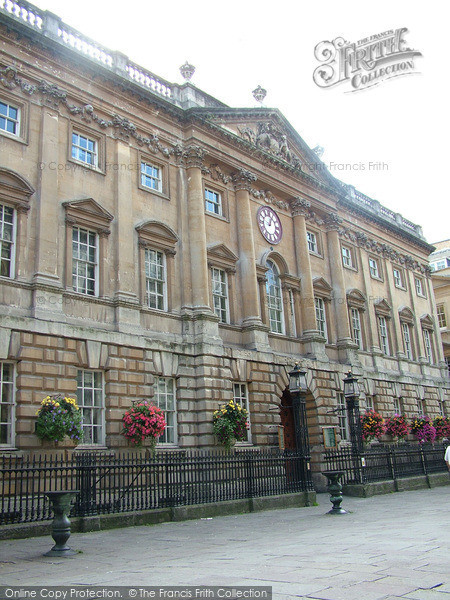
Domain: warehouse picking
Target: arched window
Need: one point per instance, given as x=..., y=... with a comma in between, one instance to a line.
x=274, y=298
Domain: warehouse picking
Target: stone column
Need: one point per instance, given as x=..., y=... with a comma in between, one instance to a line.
x=309, y=329
x=193, y=157
x=254, y=332
x=47, y=283
x=345, y=344
x=126, y=285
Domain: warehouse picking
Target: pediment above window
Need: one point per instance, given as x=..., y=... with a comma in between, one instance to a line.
x=383, y=309
x=427, y=321
x=356, y=299
x=14, y=189
x=222, y=257
x=406, y=314
x=322, y=288
x=86, y=212
x=158, y=235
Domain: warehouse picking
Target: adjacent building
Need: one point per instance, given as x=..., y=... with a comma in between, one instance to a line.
x=156, y=243
x=440, y=278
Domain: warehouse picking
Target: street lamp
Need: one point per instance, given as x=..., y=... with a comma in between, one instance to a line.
x=298, y=388
x=351, y=394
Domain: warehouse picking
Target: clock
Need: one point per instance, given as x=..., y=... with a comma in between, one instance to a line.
x=269, y=224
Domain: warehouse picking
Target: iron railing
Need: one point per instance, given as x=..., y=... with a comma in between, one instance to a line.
x=116, y=483
x=387, y=462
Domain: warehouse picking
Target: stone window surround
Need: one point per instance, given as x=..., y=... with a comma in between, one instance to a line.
x=383, y=309
x=402, y=277
x=354, y=264
x=427, y=324
x=159, y=164
x=24, y=111
x=356, y=300
x=407, y=318
x=157, y=236
x=12, y=420
x=323, y=290
x=15, y=192
x=422, y=293
x=379, y=276
x=88, y=214
x=221, y=257
x=319, y=241
x=98, y=138
x=213, y=186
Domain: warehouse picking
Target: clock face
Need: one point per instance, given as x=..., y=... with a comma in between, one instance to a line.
x=269, y=224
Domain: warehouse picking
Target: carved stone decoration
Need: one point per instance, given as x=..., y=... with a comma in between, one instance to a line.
x=53, y=93
x=187, y=70
x=243, y=179
x=124, y=127
x=268, y=197
x=193, y=156
x=333, y=221
x=216, y=173
x=248, y=134
x=259, y=94
x=300, y=206
x=10, y=80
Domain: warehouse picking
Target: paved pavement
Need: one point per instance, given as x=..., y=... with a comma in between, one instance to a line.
x=393, y=546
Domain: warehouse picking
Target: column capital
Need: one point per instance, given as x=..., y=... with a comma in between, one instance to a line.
x=243, y=179
x=300, y=206
x=193, y=156
x=333, y=222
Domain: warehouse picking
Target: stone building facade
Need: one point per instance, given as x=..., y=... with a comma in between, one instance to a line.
x=159, y=244
x=440, y=279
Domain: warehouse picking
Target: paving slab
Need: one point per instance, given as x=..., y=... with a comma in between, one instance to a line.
x=386, y=547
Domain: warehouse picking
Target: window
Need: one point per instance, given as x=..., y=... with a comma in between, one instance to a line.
x=374, y=268
x=6, y=404
x=441, y=315
x=398, y=278
x=356, y=326
x=420, y=406
x=9, y=118
x=240, y=397
x=407, y=340
x=274, y=299
x=7, y=239
x=369, y=403
x=397, y=406
x=441, y=408
x=440, y=264
x=91, y=402
x=321, y=317
x=155, y=279
x=84, y=149
x=84, y=261
x=383, y=333
x=165, y=399
x=342, y=418
x=220, y=294
x=419, y=286
x=347, y=257
x=213, y=202
x=312, y=242
x=428, y=346
x=151, y=176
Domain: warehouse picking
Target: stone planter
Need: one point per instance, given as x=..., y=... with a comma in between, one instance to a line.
x=61, y=505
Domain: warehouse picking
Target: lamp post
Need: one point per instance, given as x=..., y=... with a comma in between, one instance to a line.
x=298, y=388
x=351, y=394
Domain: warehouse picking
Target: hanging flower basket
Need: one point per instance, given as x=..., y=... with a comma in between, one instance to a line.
x=58, y=417
x=397, y=427
x=442, y=426
x=230, y=424
x=143, y=421
x=423, y=429
x=372, y=425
